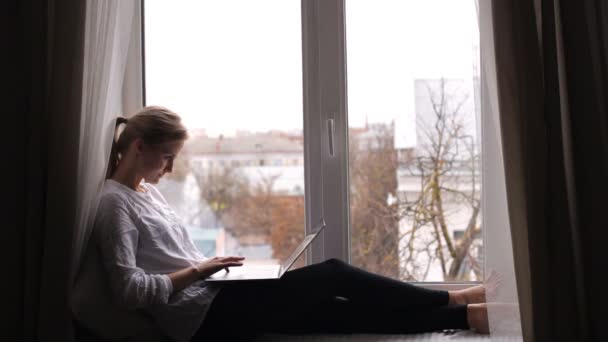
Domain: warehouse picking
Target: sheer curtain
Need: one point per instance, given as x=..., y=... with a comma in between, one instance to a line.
x=112, y=86
x=503, y=307
x=111, y=37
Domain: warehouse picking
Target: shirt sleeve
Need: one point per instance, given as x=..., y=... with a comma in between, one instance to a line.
x=118, y=237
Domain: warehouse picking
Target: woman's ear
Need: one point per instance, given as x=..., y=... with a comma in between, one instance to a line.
x=138, y=145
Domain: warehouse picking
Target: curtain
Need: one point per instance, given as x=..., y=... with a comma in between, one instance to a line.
x=503, y=309
x=110, y=25
x=112, y=85
x=575, y=56
x=67, y=74
x=45, y=47
x=552, y=74
x=57, y=86
x=26, y=36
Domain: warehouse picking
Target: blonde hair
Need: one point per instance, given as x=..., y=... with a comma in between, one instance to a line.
x=153, y=124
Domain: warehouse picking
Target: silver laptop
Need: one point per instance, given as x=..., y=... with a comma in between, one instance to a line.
x=259, y=272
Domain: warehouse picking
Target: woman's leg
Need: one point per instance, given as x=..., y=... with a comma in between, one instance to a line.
x=329, y=297
x=337, y=278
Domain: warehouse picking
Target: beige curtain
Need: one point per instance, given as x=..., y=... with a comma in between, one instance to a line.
x=47, y=41
x=65, y=44
x=552, y=78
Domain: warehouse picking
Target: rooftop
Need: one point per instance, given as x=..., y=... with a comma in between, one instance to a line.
x=254, y=143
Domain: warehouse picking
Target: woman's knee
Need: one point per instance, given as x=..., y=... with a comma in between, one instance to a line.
x=335, y=263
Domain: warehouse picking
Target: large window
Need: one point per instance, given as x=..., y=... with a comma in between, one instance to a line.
x=365, y=112
x=413, y=104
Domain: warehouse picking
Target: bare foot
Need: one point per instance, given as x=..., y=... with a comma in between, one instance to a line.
x=477, y=318
x=479, y=293
x=470, y=295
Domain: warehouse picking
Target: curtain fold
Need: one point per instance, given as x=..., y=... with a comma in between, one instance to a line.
x=551, y=67
x=61, y=77
x=30, y=180
x=580, y=117
x=519, y=86
x=26, y=36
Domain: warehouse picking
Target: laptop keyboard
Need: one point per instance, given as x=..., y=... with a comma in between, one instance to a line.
x=249, y=272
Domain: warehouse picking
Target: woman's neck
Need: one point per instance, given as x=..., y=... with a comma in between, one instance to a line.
x=128, y=177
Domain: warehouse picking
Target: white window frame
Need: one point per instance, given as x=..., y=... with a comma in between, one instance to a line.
x=324, y=77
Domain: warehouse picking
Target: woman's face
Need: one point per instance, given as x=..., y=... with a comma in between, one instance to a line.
x=156, y=160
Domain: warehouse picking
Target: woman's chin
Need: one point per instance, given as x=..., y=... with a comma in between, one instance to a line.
x=154, y=180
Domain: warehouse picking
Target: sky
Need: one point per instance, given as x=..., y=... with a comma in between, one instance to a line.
x=237, y=64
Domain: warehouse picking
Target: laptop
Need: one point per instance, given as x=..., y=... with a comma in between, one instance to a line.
x=260, y=272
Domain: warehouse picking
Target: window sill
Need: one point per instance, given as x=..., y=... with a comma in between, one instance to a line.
x=446, y=286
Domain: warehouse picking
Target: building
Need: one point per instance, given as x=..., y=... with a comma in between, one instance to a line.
x=257, y=155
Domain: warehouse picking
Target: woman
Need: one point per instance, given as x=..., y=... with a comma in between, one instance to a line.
x=154, y=266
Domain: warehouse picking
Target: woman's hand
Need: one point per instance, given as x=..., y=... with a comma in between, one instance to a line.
x=213, y=265
x=183, y=278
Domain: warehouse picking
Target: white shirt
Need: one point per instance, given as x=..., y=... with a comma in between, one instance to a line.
x=141, y=240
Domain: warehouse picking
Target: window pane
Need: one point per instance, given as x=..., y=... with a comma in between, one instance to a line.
x=233, y=71
x=413, y=106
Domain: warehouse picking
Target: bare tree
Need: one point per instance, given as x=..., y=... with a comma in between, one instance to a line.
x=374, y=221
x=287, y=229
x=403, y=233
x=445, y=163
x=221, y=188
x=251, y=213
x=268, y=215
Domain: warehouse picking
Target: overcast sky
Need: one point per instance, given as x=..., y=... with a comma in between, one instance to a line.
x=237, y=64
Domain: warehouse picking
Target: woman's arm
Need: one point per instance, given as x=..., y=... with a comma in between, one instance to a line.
x=130, y=285
x=185, y=277
x=117, y=238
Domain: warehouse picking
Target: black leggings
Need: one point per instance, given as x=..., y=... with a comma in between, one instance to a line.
x=329, y=297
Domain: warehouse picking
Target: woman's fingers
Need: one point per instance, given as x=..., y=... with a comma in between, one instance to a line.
x=225, y=266
x=233, y=258
x=219, y=263
x=231, y=264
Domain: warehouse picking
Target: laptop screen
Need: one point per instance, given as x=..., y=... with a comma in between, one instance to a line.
x=301, y=247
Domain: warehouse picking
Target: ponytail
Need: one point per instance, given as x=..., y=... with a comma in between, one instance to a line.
x=115, y=150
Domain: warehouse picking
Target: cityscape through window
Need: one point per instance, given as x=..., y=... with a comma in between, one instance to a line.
x=233, y=71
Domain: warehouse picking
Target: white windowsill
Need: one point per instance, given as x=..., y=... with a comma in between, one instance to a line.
x=446, y=286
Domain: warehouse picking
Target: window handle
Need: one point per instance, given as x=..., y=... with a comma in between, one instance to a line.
x=330, y=135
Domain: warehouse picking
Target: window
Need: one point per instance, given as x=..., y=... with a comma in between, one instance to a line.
x=413, y=103
x=236, y=80
x=267, y=84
